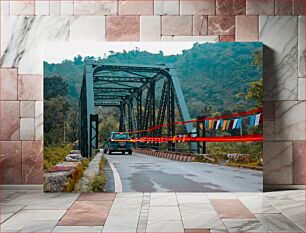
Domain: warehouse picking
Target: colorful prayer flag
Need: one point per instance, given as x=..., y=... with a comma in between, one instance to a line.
x=235, y=123
x=224, y=125
x=238, y=123
x=218, y=124
x=252, y=120
x=228, y=124
x=231, y=124
x=210, y=124
x=257, y=119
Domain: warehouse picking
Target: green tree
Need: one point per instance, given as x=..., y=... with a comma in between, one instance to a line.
x=255, y=93
x=78, y=60
x=258, y=59
x=255, y=89
x=54, y=86
x=205, y=76
x=55, y=115
x=107, y=125
x=108, y=122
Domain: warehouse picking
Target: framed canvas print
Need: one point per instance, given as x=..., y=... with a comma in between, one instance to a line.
x=153, y=117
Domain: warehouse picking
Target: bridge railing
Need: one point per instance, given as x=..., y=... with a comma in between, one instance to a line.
x=227, y=128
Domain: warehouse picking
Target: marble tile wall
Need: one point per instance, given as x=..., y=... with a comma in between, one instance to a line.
x=95, y=7
x=278, y=160
x=284, y=65
x=122, y=28
x=280, y=37
x=167, y=7
x=230, y=7
x=87, y=28
x=135, y=7
x=10, y=162
x=221, y=25
x=301, y=47
x=150, y=28
x=32, y=162
x=27, y=24
x=177, y=25
x=246, y=28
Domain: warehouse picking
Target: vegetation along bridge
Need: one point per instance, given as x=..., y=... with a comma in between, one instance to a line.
x=152, y=108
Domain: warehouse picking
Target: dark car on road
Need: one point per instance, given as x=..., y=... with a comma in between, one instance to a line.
x=118, y=142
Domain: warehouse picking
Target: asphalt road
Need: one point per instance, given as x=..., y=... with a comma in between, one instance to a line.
x=143, y=173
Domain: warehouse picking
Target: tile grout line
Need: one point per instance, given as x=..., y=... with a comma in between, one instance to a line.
x=9, y=198
x=67, y=210
x=178, y=205
x=280, y=213
x=12, y=216
x=266, y=227
x=139, y=216
x=144, y=213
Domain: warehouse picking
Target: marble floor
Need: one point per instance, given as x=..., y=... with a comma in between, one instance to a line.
x=35, y=211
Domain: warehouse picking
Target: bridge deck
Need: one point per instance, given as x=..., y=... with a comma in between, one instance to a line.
x=143, y=173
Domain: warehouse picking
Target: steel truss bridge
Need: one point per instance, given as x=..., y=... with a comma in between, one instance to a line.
x=133, y=89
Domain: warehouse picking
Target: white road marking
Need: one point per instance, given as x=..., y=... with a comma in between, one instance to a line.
x=117, y=179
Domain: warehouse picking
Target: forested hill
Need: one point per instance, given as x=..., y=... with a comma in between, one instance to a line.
x=210, y=74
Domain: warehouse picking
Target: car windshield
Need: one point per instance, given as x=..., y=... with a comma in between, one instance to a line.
x=119, y=136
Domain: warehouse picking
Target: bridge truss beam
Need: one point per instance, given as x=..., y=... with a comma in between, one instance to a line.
x=133, y=90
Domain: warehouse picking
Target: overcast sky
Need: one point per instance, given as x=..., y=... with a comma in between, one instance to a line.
x=56, y=52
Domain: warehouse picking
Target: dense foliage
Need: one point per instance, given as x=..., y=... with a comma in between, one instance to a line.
x=60, y=118
x=98, y=182
x=55, y=154
x=210, y=74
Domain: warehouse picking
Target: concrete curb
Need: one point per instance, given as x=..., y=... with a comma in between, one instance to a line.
x=167, y=155
x=117, y=179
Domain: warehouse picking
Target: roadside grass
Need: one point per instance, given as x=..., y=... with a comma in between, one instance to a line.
x=251, y=165
x=73, y=180
x=255, y=165
x=85, y=162
x=98, y=182
x=55, y=154
x=217, y=155
x=208, y=158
